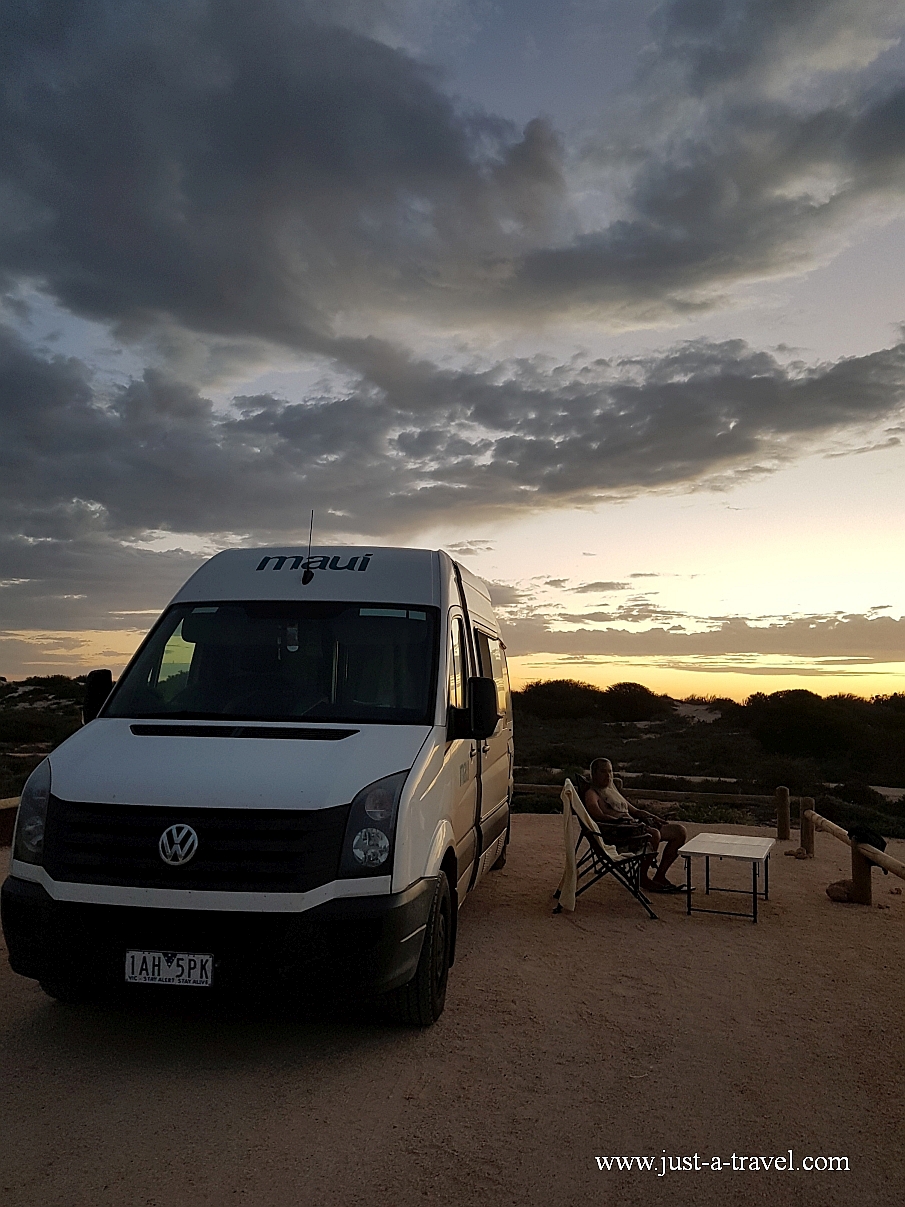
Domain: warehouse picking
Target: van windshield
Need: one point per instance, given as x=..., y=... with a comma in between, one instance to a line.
x=285, y=661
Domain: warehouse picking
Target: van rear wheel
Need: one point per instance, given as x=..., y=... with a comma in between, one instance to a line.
x=420, y=1002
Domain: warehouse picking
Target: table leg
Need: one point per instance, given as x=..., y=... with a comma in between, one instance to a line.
x=687, y=859
x=767, y=878
x=754, y=887
x=707, y=875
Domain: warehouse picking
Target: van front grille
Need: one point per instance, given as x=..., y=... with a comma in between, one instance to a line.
x=239, y=850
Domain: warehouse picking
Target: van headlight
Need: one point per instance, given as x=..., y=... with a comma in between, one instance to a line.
x=370, y=847
x=371, y=828
x=28, y=841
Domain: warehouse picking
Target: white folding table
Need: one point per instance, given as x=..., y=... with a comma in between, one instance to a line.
x=729, y=846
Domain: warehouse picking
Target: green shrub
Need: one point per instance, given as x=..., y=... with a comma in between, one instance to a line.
x=14, y=773
x=635, y=702
x=559, y=699
x=60, y=687
x=569, y=699
x=846, y=814
x=28, y=725
x=860, y=794
x=798, y=722
x=524, y=802
x=715, y=815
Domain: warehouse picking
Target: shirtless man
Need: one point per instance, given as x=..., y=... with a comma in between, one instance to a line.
x=605, y=802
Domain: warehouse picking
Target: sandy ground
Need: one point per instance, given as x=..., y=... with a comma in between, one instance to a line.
x=565, y=1038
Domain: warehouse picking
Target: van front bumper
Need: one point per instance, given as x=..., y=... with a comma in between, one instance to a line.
x=374, y=942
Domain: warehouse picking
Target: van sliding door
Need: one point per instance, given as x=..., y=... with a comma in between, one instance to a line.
x=496, y=753
x=461, y=762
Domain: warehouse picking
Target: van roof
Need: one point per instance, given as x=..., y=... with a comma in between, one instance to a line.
x=366, y=572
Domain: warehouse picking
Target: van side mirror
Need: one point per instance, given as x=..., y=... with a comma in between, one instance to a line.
x=482, y=707
x=479, y=718
x=98, y=686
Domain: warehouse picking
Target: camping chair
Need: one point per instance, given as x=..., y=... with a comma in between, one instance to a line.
x=590, y=858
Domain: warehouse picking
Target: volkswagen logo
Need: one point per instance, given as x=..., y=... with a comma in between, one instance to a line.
x=178, y=844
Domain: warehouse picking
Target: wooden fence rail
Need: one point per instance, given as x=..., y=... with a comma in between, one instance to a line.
x=698, y=798
x=863, y=855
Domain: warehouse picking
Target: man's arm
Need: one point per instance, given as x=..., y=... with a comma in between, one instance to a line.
x=643, y=815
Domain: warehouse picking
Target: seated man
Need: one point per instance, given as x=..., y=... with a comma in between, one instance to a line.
x=605, y=803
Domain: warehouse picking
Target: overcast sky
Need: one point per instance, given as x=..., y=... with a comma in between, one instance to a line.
x=605, y=296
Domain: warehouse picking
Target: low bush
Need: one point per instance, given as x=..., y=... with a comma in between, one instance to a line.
x=569, y=699
x=29, y=725
x=559, y=699
x=847, y=814
x=860, y=794
x=717, y=815
x=635, y=702
x=525, y=802
x=14, y=773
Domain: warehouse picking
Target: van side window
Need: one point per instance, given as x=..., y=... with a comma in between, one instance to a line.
x=458, y=667
x=493, y=665
x=482, y=642
x=500, y=675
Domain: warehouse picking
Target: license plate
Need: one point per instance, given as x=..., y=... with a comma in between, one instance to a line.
x=169, y=968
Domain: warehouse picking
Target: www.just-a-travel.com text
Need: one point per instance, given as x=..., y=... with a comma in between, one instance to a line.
x=737, y=1163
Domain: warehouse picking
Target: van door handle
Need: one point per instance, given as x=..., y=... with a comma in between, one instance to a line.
x=472, y=752
x=485, y=748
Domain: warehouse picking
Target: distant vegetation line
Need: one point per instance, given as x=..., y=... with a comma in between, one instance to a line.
x=795, y=737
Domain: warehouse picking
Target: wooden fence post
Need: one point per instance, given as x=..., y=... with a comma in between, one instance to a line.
x=807, y=825
x=861, y=884
x=783, y=819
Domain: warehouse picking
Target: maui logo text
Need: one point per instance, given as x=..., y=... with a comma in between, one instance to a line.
x=319, y=562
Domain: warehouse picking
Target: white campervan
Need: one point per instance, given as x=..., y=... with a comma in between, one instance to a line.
x=305, y=768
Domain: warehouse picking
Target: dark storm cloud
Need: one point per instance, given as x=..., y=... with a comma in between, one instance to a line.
x=505, y=596
x=470, y=548
x=258, y=169
x=758, y=189
x=257, y=172
x=156, y=455
x=95, y=582
x=599, y=587
x=243, y=168
x=752, y=140
x=840, y=639
x=713, y=44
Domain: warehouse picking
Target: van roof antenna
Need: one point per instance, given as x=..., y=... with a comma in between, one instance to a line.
x=308, y=573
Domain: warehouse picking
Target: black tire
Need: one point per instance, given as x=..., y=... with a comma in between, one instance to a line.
x=420, y=1002
x=69, y=991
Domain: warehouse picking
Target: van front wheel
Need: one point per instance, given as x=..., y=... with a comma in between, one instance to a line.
x=69, y=991
x=420, y=1002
